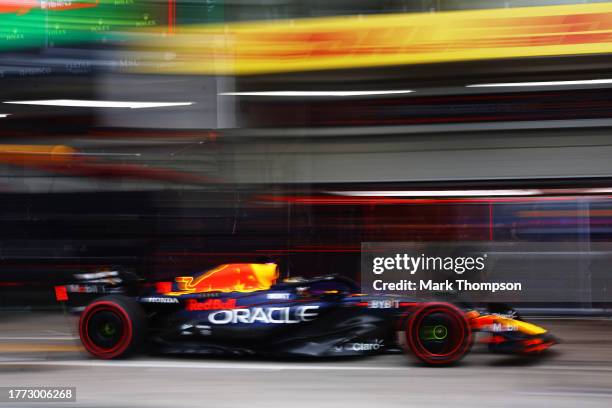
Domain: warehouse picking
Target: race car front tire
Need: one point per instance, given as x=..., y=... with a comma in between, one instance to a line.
x=112, y=327
x=437, y=334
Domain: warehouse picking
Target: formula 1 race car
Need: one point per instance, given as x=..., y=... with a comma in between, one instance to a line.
x=241, y=309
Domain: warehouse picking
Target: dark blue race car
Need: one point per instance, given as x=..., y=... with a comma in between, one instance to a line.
x=242, y=309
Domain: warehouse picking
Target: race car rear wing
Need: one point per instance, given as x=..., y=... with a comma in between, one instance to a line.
x=89, y=285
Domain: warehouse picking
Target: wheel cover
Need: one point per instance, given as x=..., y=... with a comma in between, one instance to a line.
x=439, y=333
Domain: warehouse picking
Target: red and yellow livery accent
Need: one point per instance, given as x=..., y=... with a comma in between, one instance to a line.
x=21, y=7
x=508, y=334
x=229, y=278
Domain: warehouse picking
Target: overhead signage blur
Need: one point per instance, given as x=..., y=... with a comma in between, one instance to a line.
x=379, y=40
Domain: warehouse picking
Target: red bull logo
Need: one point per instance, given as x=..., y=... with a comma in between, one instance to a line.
x=210, y=304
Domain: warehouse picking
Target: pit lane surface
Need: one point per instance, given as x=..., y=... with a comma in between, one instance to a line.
x=41, y=350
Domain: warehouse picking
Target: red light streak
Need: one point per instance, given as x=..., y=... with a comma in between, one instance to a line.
x=490, y=221
x=171, y=16
x=327, y=200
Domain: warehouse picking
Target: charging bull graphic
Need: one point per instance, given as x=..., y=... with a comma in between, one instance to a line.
x=231, y=278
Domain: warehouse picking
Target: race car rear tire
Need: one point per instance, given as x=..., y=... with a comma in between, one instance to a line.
x=112, y=327
x=437, y=334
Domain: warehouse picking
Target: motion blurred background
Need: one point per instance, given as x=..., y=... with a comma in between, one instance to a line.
x=170, y=136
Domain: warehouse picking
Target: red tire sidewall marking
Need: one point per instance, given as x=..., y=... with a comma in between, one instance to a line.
x=417, y=347
x=121, y=345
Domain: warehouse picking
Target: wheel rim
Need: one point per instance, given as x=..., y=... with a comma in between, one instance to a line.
x=105, y=330
x=438, y=334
